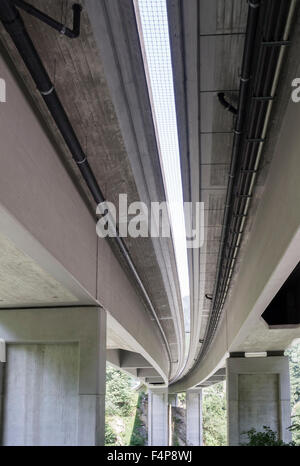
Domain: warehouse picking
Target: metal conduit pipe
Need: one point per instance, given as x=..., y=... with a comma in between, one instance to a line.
x=273, y=27
x=256, y=132
x=15, y=27
x=240, y=196
x=225, y=104
x=245, y=77
x=253, y=144
x=61, y=28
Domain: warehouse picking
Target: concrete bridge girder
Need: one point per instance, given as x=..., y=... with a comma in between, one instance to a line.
x=47, y=229
x=270, y=248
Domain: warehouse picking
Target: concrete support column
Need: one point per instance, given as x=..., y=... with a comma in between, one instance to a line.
x=172, y=403
x=173, y=400
x=54, y=379
x=194, y=434
x=258, y=394
x=2, y=368
x=158, y=425
x=2, y=365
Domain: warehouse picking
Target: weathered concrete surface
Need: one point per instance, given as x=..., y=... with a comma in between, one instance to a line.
x=119, y=297
x=258, y=394
x=41, y=395
x=194, y=433
x=119, y=139
x=39, y=195
x=271, y=246
x=116, y=35
x=216, y=377
x=54, y=382
x=147, y=373
x=207, y=40
x=2, y=369
x=158, y=425
x=50, y=253
x=23, y=282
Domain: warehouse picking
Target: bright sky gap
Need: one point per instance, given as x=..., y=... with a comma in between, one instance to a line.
x=158, y=64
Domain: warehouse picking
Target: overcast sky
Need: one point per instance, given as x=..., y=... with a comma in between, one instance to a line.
x=155, y=30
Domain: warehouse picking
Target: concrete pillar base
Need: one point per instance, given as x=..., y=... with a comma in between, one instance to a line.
x=158, y=425
x=194, y=434
x=173, y=400
x=54, y=377
x=258, y=394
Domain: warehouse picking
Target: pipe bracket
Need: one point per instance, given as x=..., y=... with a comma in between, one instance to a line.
x=47, y=92
x=51, y=22
x=81, y=162
x=253, y=5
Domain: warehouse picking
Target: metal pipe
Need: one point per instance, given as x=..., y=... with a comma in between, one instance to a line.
x=225, y=104
x=262, y=137
x=245, y=77
x=15, y=27
x=221, y=293
x=61, y=28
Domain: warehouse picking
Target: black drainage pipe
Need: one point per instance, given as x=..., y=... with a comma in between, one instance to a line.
x=245, y=80
x=61, y=28
x=225, y=104
x=15, y=27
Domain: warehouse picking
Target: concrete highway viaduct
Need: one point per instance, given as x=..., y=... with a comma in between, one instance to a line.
x=70, y=301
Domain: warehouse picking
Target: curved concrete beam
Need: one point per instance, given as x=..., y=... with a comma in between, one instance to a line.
x=272, y=252
x=51, y=233
x=116, y=34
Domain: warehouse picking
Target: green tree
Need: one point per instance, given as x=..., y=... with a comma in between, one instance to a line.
x=294, y=358
x=295, y=427
x=110, y=436
x=123, y=423
x=266, y=438
x=119, y=396
x=138, y=437
x=214, y=415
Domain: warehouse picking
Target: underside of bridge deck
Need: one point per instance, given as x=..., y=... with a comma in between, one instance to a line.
x=71, y=301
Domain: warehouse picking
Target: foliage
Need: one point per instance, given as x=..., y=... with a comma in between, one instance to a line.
x=295, y=427
x=123, y=424
x=214, y=415
x=294, y=358
x=175, y=442
x=267, y=438
x=178, y=424
x=119, y=396
x=137, y=439
x=110, y=436
x=181, y=399
x=122, y=405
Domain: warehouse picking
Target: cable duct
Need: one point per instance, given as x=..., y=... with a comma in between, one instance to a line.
x=266, y=40
x=268, y=27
